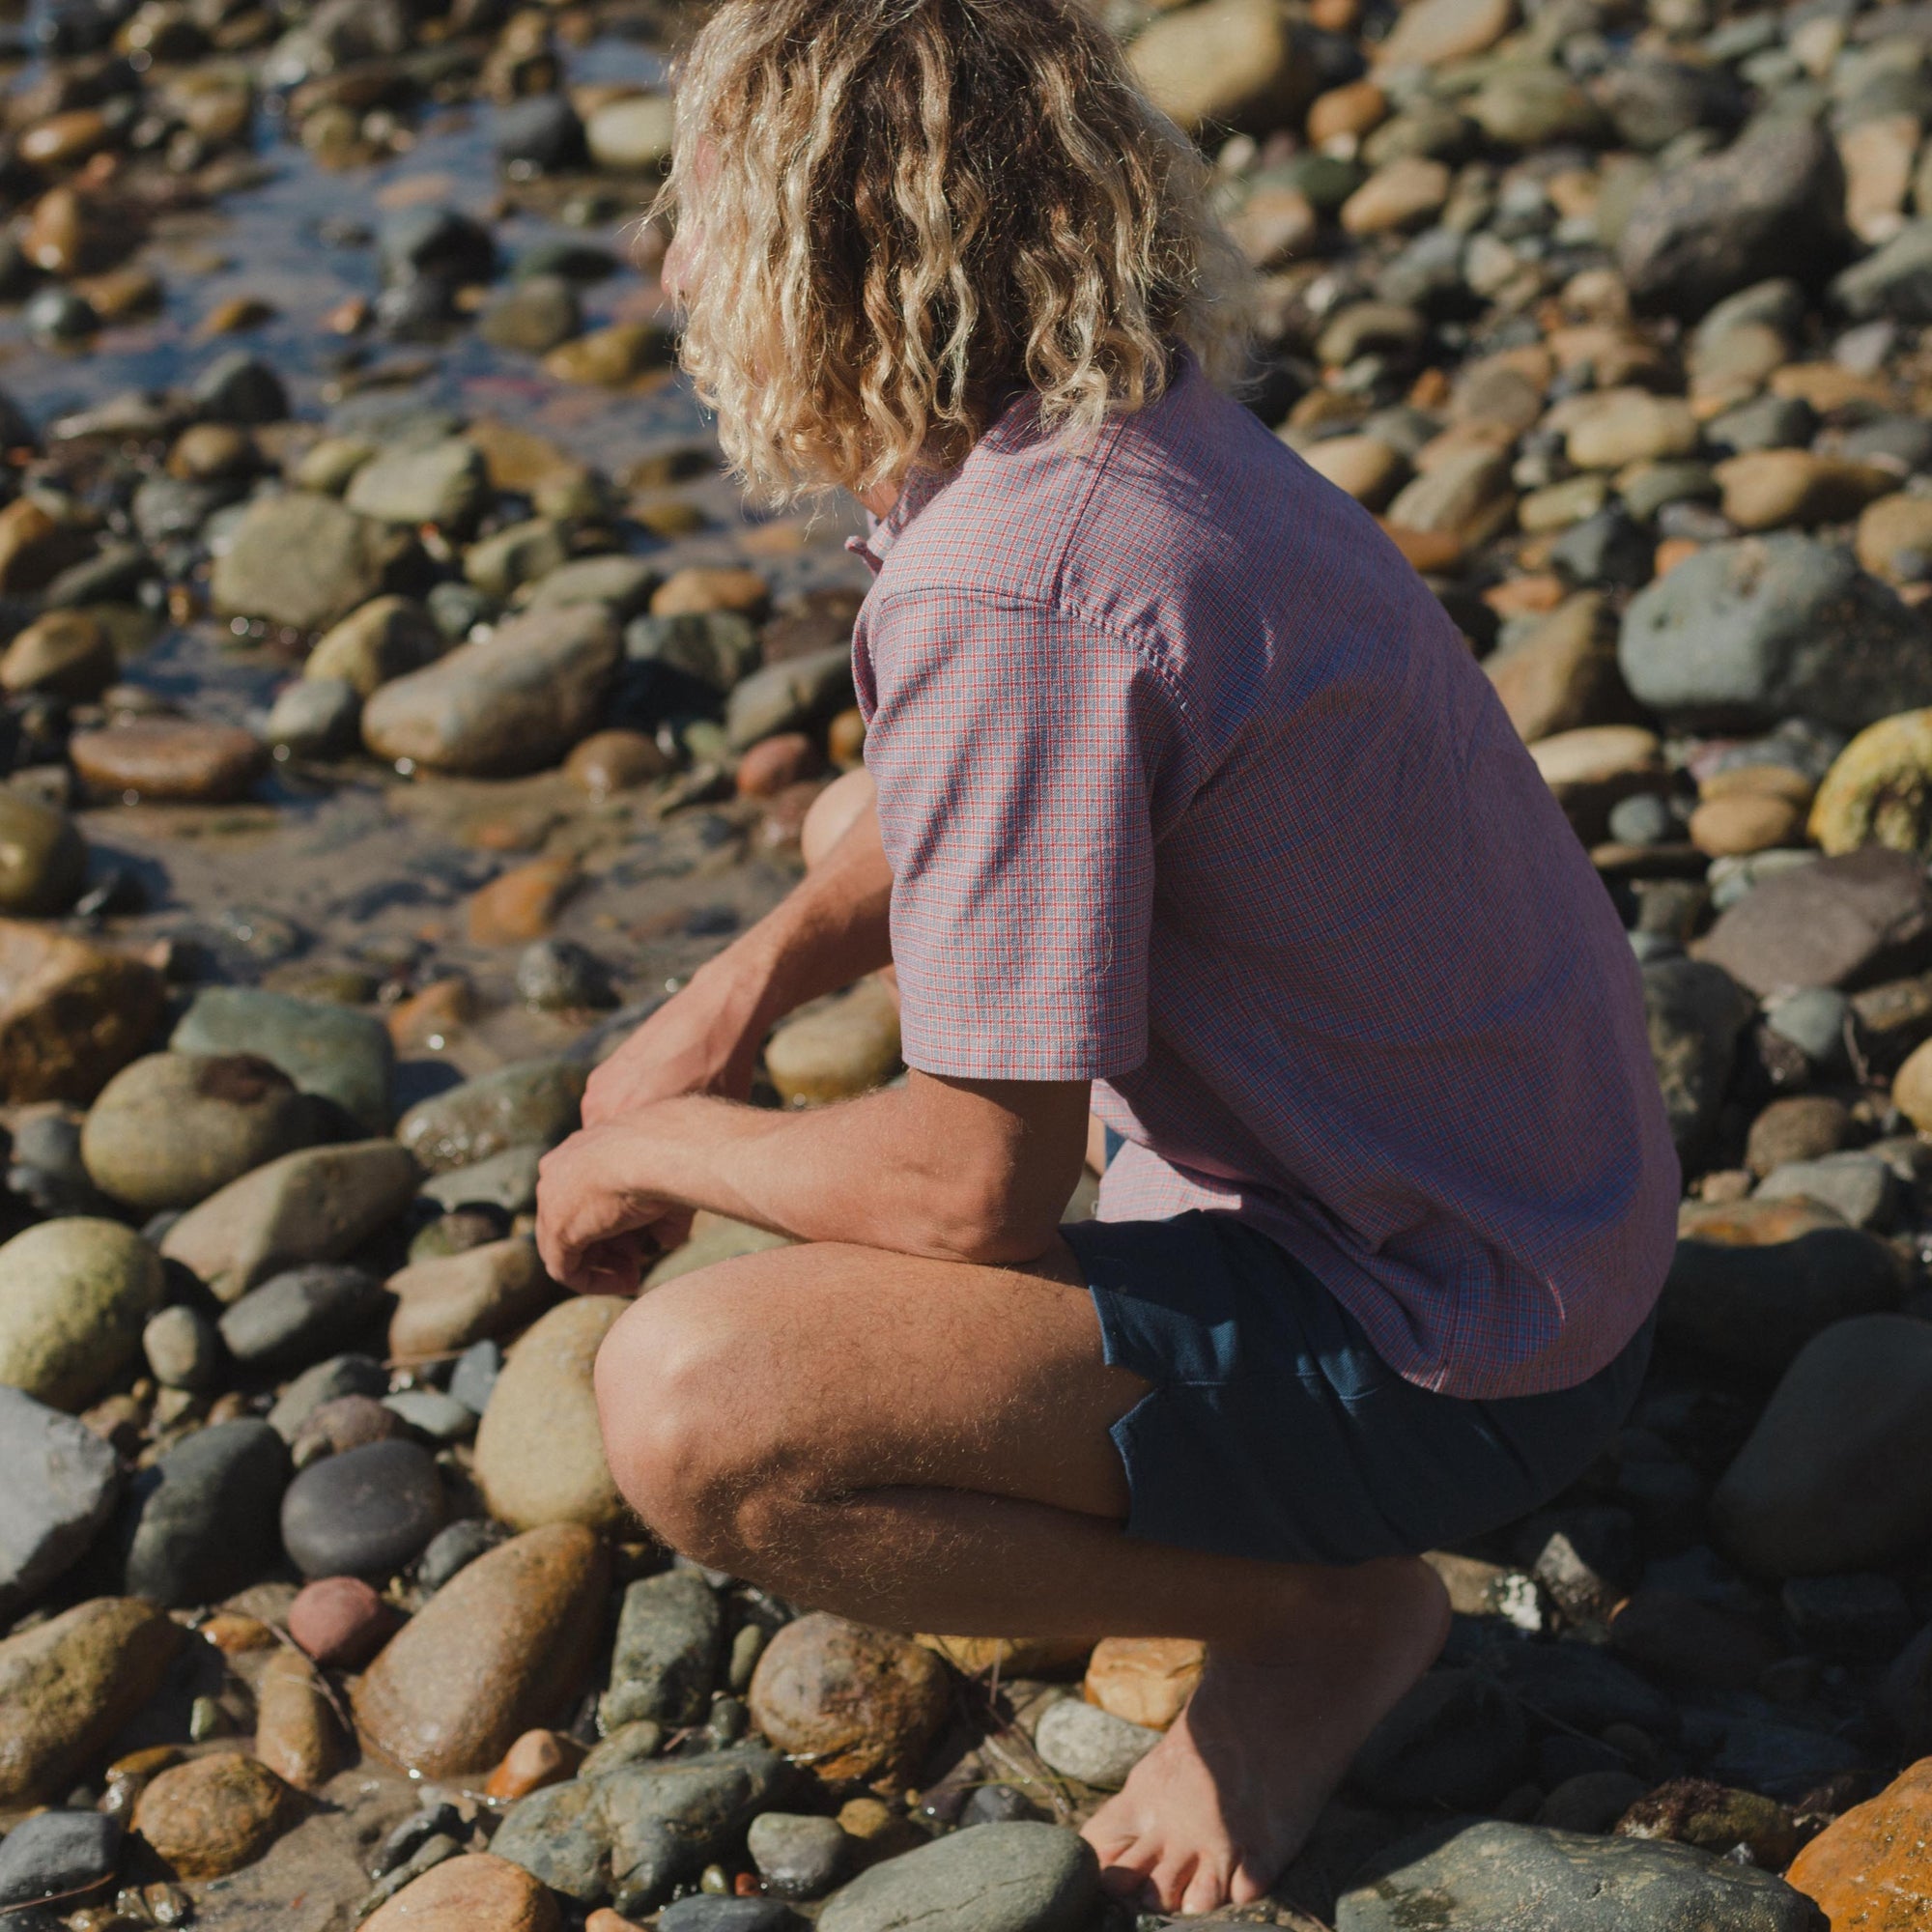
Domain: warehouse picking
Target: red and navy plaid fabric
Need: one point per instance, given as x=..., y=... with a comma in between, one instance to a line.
x=1191, y=789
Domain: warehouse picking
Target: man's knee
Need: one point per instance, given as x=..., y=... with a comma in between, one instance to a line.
x=670, y=1382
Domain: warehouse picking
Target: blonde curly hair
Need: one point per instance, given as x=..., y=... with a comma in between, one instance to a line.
x=905, y=210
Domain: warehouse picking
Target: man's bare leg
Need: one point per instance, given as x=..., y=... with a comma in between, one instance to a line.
x=924, y=1446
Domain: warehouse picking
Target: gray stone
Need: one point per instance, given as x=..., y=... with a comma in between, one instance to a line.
x=1577, y=1684
x=1021, y=1877
x=299, y=559
x=1894, y=280
x=514, y=701
x=332, y=1050
x=456, y=1547
x=797, y=1856
x=1456, y=1739
x=532, y=1103
x=173, y=1127
x=532, y=316
x=75, y=1296
x=57, y=1852
x=298, y=1316
x=1838, y=1473
x=441, y=483
x=1858, y=1187
x=1845, y=922
x=786, y=695
x=432, y=1413
x=1754, y=1306
x=61, y=1483
x=559, y=1834
x=1494, y=1877
x=317, y=718
x=201, y=1522
x=1751, y=632
x=1694, y=1013
x=183, y=1349
x=665, y=1657
x=386, y=638
x=630, y=1743
x=1772, y=203
x=560, y=976
x=507, y=1181
x=622, y=585
x=474, y=1379
x=714, y=648
x=327, y=1382
x=316, y=1205
x=632, y=135
x=367, y=1512
x=668, y=1819
x=704, y=1911
x=1080, y=1739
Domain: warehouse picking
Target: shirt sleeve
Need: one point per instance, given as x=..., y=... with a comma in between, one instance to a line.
x=1010, y=751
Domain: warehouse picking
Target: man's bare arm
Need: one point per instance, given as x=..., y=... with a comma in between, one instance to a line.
x=957, y=1170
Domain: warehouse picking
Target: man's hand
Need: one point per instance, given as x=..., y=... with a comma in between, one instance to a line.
x=598, y=1223
x=704, y=1040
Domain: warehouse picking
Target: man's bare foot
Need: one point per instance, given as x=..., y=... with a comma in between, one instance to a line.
x=1217, y=1810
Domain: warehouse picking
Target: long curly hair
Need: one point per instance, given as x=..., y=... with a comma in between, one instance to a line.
x=902, y=211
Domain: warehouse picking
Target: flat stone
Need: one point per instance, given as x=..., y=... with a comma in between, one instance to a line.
x=75, y=1296
x=63, y=1480
x=498, y=1650
x=532, y=1103
x=476, y=1892
x=315, y=1206
x=72, y=1014
x=367, y=1512
x=1081, y=1741
x=172, y=1128
x=1859, y=1188
x=860, y=1705
x=439, y=483
x=514, y=701
x=66, y=1686
x=171, y=760
x=1019, y=1877
x=669, y=1636
x=1844, y=922
x=56, y=1853
x=1838, y=1473
x=507, y=1181
x=201, y=1522
x=1147, y=1680
x=299, y=559
x=212, y=1815
x=539, y=1448
x=444, y=1305
x=295, y=1318
x=1494, y=1877
x=325, y=1049
x=341, y=1375
x=1752, y=631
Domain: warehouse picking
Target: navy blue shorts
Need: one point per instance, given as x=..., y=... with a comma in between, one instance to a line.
x=1274, y=1431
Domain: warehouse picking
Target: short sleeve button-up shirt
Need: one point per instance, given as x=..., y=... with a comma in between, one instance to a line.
x=1191, y=789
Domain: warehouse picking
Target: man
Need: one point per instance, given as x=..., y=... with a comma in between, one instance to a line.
x=1187, y=805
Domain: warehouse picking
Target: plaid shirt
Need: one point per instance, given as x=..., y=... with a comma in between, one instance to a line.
x=1191, y=789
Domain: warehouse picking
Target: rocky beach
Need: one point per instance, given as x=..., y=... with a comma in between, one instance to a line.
x=397, y=702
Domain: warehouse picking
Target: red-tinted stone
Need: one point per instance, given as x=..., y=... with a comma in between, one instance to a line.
x=341, y=1621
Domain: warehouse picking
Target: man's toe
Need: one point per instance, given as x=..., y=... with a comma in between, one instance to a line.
x=1249, y=1883
x=1171, y=1878
x=1207, y=1891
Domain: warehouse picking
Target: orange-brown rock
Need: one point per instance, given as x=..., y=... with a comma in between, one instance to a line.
x=500, y=1649
x=440, y=1008
x=34, y=548
x=296, y=1735
x=1745, y=822
x=177, y=760
x=1010, y=1655
x=859, y=1705
x=1871, y=1870
x=1146, y=1680
x=523, y=904
x=72, y=1014
x=477, y=1893
x=537, y=1758
x=212, y=1815
x=700, y=588
x=616, y=760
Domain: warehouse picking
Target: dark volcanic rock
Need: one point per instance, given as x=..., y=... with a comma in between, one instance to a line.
x=202, y=1521
x=368, y=1512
